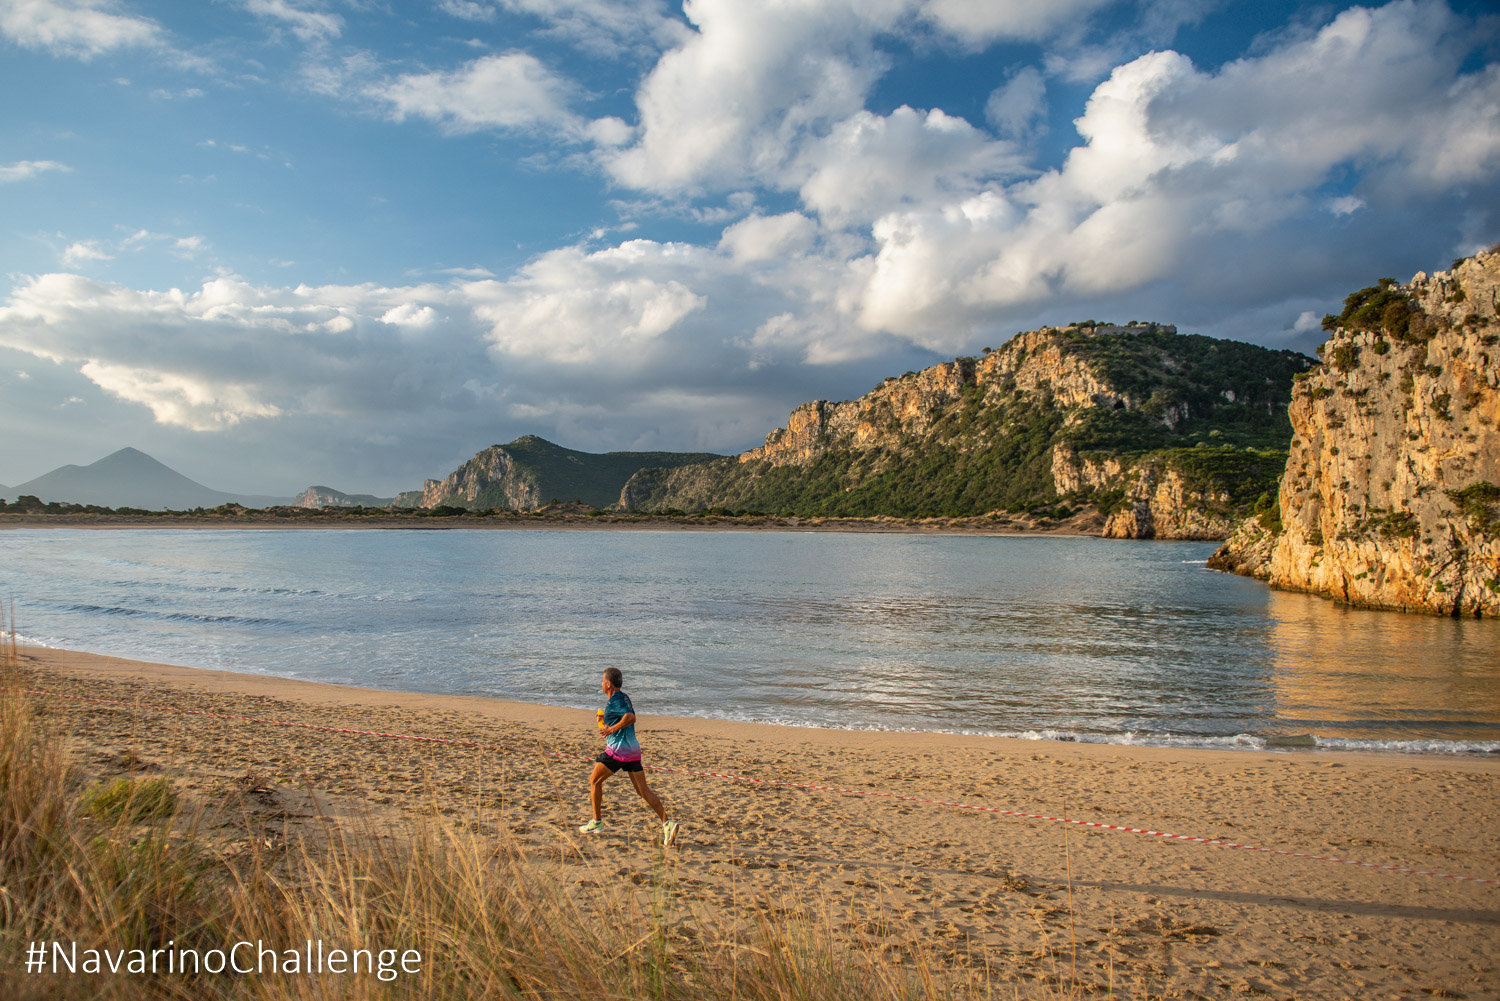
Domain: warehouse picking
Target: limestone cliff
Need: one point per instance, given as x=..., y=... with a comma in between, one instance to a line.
x=1162, y=495
x=1058, y=418
x=321, y=497
x=1391, y=494
x=489, y=479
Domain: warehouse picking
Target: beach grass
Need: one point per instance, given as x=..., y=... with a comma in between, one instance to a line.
x=136, y=864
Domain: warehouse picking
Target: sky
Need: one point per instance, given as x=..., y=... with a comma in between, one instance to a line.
x=352, y=242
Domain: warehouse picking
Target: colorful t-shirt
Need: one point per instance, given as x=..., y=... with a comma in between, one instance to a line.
x=621, y=745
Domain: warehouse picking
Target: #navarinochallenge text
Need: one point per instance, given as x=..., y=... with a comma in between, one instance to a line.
x=241, y=958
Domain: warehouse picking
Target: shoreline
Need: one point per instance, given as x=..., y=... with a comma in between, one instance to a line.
x=1079, y=526
x=897, y=741
x=1179, y=918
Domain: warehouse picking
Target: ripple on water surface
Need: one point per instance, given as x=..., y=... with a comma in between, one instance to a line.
x=1058, y=638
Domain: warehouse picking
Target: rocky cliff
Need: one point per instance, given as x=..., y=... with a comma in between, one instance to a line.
x=530, y=472
x=1391, y=494
x=1168, y=494
x=1171, y=436
x=317, y=497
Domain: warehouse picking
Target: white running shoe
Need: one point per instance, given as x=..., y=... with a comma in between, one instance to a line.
x=592, y=827
x=669, y=833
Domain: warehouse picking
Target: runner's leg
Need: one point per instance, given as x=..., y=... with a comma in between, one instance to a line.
x=639, y=778
x=596, y=790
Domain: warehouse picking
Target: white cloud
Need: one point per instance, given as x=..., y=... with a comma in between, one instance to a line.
x=576, y=308
x=764, y=238
x=731, y=103
x=510, y=91
x=1346, y=205
x=231, y=352
x=24, y=170
x=1178, y=163
x=78, y=28
x=608, y=28
x=468, y=10
x=307, y=25
x=408, y=315
x=180, y=400
x=1014, y=108
x=870, y=165
x=83, y=250
x=983, y=21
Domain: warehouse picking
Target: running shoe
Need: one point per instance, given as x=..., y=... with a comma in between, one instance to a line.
x=592, y=827
x=669, y=833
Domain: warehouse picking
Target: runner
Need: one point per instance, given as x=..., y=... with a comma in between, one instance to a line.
x=621, y=751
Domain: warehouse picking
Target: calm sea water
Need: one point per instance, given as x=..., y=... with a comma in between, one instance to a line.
x=1062, y=638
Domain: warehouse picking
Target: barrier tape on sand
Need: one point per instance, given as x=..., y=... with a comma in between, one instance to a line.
x=782, y=783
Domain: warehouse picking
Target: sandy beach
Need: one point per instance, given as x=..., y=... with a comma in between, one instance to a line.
x=1022, y=897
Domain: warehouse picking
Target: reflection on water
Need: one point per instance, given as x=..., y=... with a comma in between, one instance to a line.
x=1088, y=638
x=1344, y=671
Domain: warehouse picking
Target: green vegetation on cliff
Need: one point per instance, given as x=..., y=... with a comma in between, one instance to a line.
x=965, y=438
x=531, y=472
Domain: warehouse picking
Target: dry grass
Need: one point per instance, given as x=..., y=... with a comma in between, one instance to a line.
x=134, y=866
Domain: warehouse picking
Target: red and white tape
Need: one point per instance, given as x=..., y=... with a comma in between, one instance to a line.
x=780, y=783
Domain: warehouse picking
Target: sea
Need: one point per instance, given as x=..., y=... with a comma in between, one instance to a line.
x=1044, y=638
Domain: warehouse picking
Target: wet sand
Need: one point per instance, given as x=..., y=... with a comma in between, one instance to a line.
x=1022, y=897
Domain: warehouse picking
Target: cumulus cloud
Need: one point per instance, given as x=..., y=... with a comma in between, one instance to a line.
x=983, y=21
x=231, y=352
x=227, y=352
x=1176, y=159
x=510, y=91
x=729, y=105
x=764, y=238
x=572, y=307
x=79, y=28
x=24, y=170
x=870, y=165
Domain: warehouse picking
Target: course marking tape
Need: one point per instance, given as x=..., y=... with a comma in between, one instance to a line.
x=782, y=783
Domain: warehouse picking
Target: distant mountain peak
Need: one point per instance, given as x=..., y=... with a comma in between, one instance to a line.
x=129, y=477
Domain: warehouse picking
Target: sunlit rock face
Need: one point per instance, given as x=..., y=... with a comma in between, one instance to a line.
x=1391, y=495
x=1149, y=433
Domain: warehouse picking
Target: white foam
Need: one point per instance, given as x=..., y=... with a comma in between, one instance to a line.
x=1231, y=742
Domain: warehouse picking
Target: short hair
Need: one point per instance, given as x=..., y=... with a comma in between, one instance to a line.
x=614, y=677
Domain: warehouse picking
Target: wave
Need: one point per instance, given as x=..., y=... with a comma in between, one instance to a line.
x=1252, y=742
x=1231, y=742
x=239, y=620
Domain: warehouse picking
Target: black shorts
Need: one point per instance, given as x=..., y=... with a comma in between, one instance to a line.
x=614, y=764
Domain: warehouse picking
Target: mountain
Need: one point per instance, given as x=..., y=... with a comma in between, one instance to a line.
x=131, y=478
x=1391, y=495
x=321, y=497
x=529, y=472
x=1161, y=434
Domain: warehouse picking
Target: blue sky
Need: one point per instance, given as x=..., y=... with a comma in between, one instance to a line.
x=351, y=242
